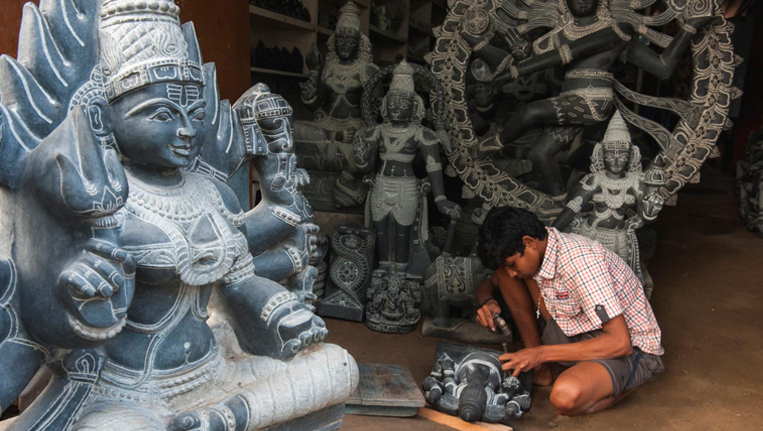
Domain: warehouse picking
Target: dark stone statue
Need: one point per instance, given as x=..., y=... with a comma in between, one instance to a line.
x=584, y=38
x=333, y=92
x=750, y=184
x=393, y=303
x=128, y=264
x=468, y=382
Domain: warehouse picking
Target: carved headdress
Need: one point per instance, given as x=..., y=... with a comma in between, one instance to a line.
x=403, y=86
x=142, y=43
x=349, y=19
x=617, y=137
x=349, y=25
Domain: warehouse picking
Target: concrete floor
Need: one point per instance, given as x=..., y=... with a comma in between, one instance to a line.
x=708, y=299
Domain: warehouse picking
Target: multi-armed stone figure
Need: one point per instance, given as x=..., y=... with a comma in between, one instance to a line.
x=333, y=92
x=118, y=230
x=617, y=186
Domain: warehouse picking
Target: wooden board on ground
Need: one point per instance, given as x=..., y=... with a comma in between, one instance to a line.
x=456, y=423
x=385, y=390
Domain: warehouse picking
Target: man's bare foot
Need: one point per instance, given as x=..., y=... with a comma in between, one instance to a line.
x=542, y=376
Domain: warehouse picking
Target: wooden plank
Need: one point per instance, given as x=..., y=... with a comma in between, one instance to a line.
x=278, y=72
x=386, y=385
x=258, y=11
x=457, y=423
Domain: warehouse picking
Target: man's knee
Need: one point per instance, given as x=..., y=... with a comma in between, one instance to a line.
x=566, y=397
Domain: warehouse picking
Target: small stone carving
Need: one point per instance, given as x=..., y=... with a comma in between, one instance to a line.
x=616, y=187
x=451, y=281
x=393, y=303
x=750, y=184
x=333, y=92
x=154, y=315
x=468, y=382
x=352, y=257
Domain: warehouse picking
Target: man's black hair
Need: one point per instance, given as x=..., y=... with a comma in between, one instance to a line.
x=501, y=234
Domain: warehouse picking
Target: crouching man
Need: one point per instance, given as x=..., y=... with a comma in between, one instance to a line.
x=598, y=321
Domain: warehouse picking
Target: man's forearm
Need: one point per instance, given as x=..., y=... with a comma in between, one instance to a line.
x=485, y=290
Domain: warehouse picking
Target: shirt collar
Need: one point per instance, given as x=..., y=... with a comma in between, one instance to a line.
x=548, y=267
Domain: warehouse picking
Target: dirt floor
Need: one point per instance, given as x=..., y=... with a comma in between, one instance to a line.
x=708, y=299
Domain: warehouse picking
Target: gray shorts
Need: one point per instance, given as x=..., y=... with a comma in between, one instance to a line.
x=628, y=372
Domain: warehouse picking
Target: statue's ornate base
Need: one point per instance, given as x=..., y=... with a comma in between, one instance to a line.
x=464, y=331
x=394, y=302
x=352, y=256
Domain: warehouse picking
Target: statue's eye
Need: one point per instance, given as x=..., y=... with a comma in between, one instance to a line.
x=199, y=115
x=162, y=115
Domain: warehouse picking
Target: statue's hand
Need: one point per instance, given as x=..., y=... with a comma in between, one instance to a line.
x=633, y=224
x=100, y=284
x=653, y=203
x=297, y=328
x=309, y=88
x=450, y=209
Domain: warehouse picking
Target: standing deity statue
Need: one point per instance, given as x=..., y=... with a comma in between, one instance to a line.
x=333, y=92
x=161, y=296
x=623, y=196
x=586, y=43
x=395, y=197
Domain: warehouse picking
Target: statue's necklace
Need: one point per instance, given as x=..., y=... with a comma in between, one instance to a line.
x=399, y=137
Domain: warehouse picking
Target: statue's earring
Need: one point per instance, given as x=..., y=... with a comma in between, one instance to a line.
x=100, y=123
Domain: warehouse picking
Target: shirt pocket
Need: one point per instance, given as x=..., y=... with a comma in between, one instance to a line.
x=565, y=303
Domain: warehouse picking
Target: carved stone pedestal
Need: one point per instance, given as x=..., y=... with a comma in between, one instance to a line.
x=352, y=253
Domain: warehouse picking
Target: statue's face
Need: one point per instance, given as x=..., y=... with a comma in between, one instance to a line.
x=581, y=8
x=347, y=45
x=616, y=161
x=400, y=109
x=160, y=125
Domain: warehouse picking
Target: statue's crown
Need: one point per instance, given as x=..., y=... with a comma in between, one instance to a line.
x=142, y=43
x=617, y=136
x=402, y=79
x=349, y=18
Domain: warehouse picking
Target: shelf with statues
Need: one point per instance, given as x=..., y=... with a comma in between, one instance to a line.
x=386, y=36
x=280, y=18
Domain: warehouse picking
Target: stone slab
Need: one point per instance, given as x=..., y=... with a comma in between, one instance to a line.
x=336, y=311
x=463, y=331
x=385, y=390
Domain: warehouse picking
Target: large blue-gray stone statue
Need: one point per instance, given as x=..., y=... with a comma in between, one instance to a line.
x=127, y=265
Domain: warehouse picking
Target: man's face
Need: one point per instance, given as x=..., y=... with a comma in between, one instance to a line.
x=523, y=265
x=581, y=8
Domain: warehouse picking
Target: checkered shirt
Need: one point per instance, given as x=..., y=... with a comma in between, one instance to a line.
x=580, y=276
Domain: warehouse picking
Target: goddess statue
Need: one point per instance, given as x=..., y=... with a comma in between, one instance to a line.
x=333, y=92
x=136, y=252
x=617, y=187
x=586, y=43
x=395, y=195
